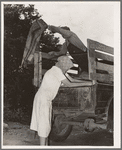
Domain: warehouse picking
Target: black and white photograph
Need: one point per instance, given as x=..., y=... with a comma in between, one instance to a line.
x=60, y=74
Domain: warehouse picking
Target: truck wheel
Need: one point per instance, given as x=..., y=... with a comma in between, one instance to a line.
x=110, y=118
x=60, y=131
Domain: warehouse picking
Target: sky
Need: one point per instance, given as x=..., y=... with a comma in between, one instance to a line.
x=96, y=20
x=93, y=20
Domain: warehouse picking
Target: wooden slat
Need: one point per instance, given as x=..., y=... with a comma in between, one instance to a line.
x=104, y=56
x=99, y=46
x=105, y=67
x=91, y=61
x=103, y=77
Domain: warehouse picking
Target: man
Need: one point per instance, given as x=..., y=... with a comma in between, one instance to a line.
x=42, y=106
x=73, y=45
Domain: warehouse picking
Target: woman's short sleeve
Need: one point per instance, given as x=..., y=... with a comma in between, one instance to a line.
x=59, y=75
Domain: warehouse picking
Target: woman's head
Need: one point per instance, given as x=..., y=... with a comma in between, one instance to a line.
x=64, y=63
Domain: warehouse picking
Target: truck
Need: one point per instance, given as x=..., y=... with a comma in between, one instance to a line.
x=89, y=106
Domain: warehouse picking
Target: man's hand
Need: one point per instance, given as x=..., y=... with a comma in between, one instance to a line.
x=52, y=53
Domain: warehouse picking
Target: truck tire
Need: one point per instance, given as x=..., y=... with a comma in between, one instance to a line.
x=60, y=131
x=110, y=118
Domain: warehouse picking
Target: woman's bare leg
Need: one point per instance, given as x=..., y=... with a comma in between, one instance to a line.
x=43, y=141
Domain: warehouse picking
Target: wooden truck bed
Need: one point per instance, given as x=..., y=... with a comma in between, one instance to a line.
x=100, y=64
x=95, y=92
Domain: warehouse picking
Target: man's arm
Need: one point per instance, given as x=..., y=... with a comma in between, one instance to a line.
x=64, y=33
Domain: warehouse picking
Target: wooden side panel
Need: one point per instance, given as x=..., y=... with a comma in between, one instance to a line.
x=99, y=46
x=104, y=56
x=78, y=98
x=108, y=78
x=93, y=46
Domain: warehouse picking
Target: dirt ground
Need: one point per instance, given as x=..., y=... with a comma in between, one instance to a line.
x=18, y=135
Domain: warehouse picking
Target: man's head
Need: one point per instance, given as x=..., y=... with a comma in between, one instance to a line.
x=66, y=28
x=64, y=63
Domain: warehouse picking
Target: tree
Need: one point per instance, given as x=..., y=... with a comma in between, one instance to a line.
x=18, y=86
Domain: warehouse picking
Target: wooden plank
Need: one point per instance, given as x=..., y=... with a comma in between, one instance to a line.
x=106, y=78
x=36, y=69
x=106, y=67
x=104, y=56
x=99, y=46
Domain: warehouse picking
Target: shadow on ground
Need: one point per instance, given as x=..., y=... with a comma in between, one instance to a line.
x=18, y=135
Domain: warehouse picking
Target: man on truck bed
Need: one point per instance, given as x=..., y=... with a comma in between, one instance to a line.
x=42, y=106
x=73, y=45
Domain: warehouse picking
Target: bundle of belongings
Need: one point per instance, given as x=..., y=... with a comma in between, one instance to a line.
x=36, y=30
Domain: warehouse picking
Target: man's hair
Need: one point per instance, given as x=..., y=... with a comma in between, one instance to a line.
x=66, y=28
x=59, y=45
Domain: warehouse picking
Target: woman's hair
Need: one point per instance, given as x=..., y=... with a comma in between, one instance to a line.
x=66, y=28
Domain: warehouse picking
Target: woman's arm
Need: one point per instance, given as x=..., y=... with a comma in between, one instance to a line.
x=72, y=79
x=67, y=83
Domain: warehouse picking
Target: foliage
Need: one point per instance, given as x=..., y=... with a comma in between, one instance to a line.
x=18, y=89
x=48, y=42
